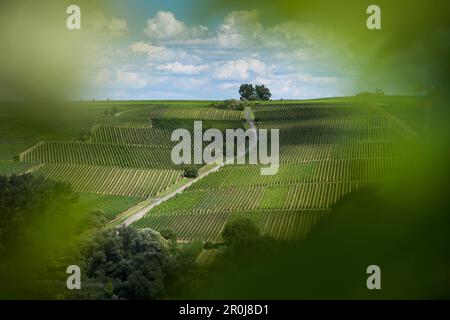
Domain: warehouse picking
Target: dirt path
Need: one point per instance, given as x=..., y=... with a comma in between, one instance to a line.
x=141, y=213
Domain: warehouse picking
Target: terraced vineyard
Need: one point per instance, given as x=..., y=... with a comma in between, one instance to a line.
x=326, y=151
x=130, y=135
x=133, y=182
x=120, y=155
x=149, y=117
x=203, y=114
x=285, y=225
x=130, y=154
x=206, y=225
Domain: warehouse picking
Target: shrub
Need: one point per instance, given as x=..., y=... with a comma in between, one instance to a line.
x=210, y=245
x=191, y=171
x=239, y=231
x=169, y=235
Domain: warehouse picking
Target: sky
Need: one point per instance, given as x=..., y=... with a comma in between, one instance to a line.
x=157, y=51
x=204, y=49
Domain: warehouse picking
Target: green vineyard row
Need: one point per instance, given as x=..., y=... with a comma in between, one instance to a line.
x=114, y=155
x=140, y=183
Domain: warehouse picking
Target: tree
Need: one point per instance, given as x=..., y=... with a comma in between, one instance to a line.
x=128, y=263
x=247, y=92
x=240, y=231
x=95, y=219
x=191, y=171
x=262, y=92
x=135, y=261
x=259, y=92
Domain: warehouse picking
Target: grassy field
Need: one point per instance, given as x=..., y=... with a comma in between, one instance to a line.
x=111, y=205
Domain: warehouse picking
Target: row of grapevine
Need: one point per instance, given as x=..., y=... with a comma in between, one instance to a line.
x=302, y=113
x=205, y=226
x=294, y=136
x=111, y=180
x=290, y=154
x=281, y=225
x=276, y=105
x=141, y=113
x=292, y=197
x=173, y=124
x=364, y=121
x=131, y=135
x=65, y=152
x=307, y=195
x=198, y=113
x=314, y=171
x=318, y=195
x=203, y=113
x=224, y=200
x=288, y=225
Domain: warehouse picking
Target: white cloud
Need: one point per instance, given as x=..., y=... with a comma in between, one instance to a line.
x=179, y=68
x=230, y=85
x=292, y=34
x=300, y=85
x=147, y=48
x=165, y=26
x=239, y=69
x=130, y=79
x=287, y=57
x=119, y=79
x=239, y=28
x=189, y=84
x=310, y=79
x=160, y=54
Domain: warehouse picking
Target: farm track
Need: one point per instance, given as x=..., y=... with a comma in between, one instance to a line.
x=139, y=214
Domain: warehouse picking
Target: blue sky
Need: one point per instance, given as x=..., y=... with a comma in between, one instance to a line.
x=155, y=50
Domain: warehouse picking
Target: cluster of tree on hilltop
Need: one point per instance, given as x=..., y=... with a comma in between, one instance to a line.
x=251, y=93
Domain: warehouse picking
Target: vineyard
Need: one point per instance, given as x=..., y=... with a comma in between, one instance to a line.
x=104, y=180
x=207, y=225
x=121, y=155
x=326, y=152
x=284, y=225
x=128, y=154
x=126, y=135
